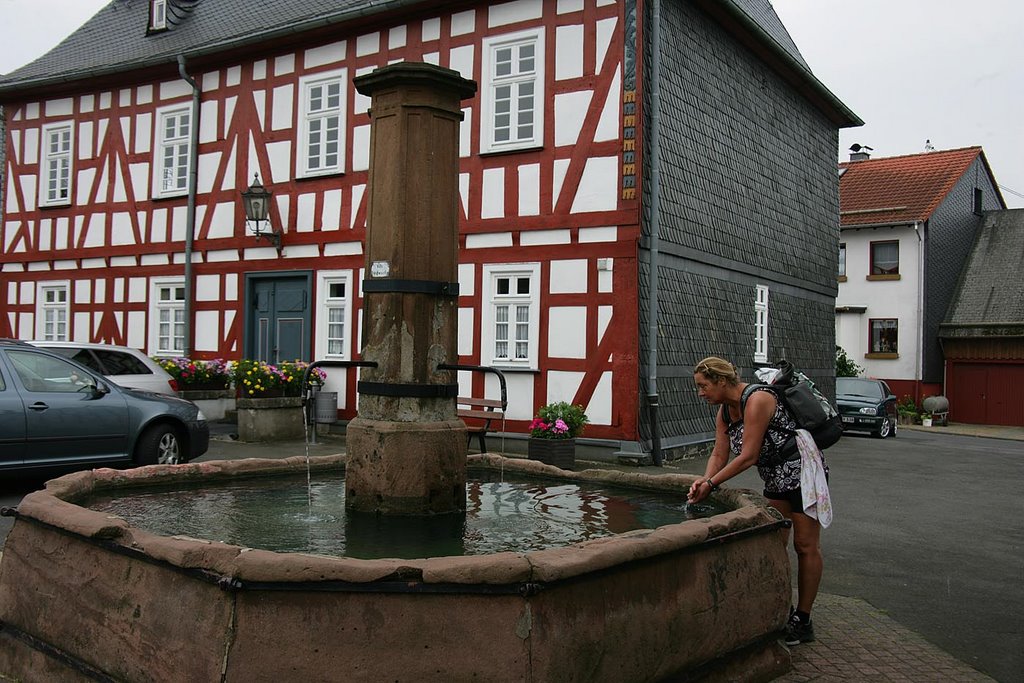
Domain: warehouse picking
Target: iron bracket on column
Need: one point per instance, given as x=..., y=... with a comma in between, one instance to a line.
x=381, y=285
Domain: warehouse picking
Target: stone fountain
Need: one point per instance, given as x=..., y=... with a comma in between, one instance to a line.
x=86, y=596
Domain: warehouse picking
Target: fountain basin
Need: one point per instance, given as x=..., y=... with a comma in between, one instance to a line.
x=83, y=594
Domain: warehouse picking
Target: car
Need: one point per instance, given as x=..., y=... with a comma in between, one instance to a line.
x=866, y=404
x=122, y=365
x=57, y=416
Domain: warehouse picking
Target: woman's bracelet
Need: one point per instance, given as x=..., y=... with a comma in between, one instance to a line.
x=711, y=484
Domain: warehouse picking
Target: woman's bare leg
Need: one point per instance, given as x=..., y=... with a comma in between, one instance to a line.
x=807, y=543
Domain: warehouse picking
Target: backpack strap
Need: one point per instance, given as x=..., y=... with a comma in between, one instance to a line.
x=750, y=389
x=747, y=391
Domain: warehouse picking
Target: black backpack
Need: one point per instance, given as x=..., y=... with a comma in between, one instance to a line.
x=805, y=404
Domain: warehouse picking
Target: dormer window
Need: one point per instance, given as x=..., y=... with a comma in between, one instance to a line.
x=158, y=15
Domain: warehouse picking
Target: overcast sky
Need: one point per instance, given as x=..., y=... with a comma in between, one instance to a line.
x=949, y=71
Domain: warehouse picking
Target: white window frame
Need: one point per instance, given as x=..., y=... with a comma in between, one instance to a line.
x=308, y=117
x=47, y=312
x=325, y=302
x=492, y=81
x=842, y=259
x=157, y=15
x=61, y=162
x=489, y=318
x=761, y=325
x=156, y=308
x=182, y=145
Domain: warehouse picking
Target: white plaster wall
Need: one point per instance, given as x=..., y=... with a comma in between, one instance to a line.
x=567, y=336
x=884, y=299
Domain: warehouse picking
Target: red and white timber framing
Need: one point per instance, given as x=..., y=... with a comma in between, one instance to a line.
x=560, y=205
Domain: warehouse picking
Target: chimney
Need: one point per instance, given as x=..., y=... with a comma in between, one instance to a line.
x=859, y=152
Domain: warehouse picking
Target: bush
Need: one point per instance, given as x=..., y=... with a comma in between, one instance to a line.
x=906, y=405
x=558, y=421
x=845, y=367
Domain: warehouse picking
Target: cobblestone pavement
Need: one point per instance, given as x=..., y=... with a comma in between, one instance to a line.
x=856, y=642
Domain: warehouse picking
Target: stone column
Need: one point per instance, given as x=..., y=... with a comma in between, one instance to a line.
x=407, y=449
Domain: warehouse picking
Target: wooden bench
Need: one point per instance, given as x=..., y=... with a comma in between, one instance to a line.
x=481, y=415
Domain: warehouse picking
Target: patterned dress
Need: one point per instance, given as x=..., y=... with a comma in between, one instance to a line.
x=778, y=473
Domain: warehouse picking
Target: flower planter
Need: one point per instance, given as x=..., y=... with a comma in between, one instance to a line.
x=270, y=419
x=215, y=403
x=906, y=418
x=926, y=422
x=558, y=452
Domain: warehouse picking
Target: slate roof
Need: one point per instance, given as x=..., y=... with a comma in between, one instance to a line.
x=900, y=189
x=114, y=40
x=990, y=297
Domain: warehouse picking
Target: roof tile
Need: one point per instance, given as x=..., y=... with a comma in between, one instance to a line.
x=900, y=189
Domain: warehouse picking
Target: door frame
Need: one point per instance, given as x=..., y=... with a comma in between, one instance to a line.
x=248, y=342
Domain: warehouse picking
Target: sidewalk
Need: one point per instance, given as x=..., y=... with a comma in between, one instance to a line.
x=987, y=431
x=855, y=641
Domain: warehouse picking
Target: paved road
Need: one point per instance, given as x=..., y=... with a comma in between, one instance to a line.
x=928, y=528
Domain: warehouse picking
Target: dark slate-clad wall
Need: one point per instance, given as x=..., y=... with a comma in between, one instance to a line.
x=951, y=232
x=749, y=195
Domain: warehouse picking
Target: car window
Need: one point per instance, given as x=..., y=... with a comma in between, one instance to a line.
x=121, y=363
x=3, y=385
x=859, y=387
x=44, y=373
x=83, y=356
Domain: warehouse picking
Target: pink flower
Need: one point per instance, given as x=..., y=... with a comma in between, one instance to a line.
x=560, y=427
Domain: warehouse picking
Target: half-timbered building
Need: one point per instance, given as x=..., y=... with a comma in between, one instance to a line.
x=642, y=184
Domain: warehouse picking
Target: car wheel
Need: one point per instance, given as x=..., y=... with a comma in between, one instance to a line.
x=884, y=429
x=159, y=445
x=894, y=422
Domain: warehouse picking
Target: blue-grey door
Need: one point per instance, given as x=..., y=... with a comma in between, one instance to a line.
x=278, y=327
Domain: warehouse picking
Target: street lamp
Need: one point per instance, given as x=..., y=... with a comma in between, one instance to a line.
x=256, y=201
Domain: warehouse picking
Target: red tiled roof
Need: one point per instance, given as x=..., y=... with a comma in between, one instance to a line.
x=900, y=189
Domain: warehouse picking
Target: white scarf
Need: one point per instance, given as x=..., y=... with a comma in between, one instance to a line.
x=813, y=485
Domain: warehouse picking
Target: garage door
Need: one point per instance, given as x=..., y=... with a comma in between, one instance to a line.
x=987, y=393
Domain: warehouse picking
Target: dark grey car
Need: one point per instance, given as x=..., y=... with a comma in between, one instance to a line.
x=56, y=415
x=866, y=405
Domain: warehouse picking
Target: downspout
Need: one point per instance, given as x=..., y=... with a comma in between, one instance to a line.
x=655, y=225
x=190, y=218
x=919, y=361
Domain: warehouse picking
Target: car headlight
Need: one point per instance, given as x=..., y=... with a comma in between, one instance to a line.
x=199, y=416
x=869, y=411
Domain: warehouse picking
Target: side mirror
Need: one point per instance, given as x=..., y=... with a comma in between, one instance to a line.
x=890, y=397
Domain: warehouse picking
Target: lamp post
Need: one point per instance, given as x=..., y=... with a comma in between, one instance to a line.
x=256, y=201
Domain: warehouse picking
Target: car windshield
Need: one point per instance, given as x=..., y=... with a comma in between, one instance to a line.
x=866, y=388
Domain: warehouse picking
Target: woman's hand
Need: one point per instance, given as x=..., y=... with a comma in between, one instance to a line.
x=698, y=491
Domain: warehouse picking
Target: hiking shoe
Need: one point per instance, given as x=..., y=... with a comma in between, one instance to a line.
x=799, y=632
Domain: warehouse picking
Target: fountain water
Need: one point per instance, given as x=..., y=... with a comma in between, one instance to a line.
x=86, y=596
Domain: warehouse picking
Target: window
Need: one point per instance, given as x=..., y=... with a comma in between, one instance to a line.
x=884, y=335
x=42, y=373
x=885, y=258
x=842, y=260
x=172, y=149
x=513, y=92
x=979, y=201
x=334, y=301
x=56, y=165
x=54, y=312
x=157, y=15
x=761, y=325
x=323, y=115
x=168, y=313
x=510, y=317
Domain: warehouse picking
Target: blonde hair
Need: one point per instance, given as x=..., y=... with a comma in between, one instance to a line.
x=715, y=369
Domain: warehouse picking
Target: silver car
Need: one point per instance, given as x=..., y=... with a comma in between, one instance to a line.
x=122, y=365
x=56, y=415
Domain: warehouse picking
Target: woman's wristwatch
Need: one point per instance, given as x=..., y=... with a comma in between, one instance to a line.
x=712, y=485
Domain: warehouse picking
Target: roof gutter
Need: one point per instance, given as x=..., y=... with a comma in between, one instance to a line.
x=368, y=8
x=840, y=114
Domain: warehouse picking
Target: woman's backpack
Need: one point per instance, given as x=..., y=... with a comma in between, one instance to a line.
x=805, y=404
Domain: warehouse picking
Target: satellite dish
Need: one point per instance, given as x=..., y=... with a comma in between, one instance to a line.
x=857, y=147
